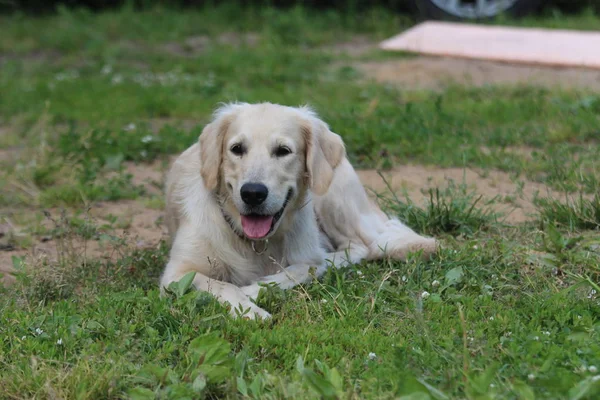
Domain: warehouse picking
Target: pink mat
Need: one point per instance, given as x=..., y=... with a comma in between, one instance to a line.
x=517, y=45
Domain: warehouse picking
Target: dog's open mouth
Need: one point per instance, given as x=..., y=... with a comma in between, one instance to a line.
x=258, y=226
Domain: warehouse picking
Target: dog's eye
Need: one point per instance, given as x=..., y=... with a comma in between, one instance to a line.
x=282, y=151
x=237, y=149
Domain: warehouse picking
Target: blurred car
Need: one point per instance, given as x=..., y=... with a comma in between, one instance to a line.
x=474, y=9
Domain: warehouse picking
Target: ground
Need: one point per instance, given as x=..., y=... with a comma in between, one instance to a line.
x=497, y=161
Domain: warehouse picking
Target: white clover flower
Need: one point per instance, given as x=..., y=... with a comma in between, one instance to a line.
x=129, y=127
x=147, y=139
x=59, y=342
x=359, y=273
x=38, y=331
x=424, y=295
x=475, y=247
x=547, y=333
x=116, y=80
x=491, y=318
x=404, y=278
x=593, y=369
x=435, y=283
x=372, y=356
x=531, y=377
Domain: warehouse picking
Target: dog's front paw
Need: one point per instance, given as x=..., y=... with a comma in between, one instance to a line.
x=251, y=290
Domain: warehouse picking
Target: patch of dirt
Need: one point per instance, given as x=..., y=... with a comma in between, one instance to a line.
x=414, y=179
x=196, y=45
x=136, y=227
x=39, y=56
x=436, y=73
x=355, y=47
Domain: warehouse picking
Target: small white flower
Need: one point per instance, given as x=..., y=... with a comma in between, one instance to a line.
x=424, y=295
x=435, y=283
x=23, y=337
x=492, y=385
x=107, y=69
x=59, y=342
x=323, y=301
x=38, y=331
x=579, y=317
x=129, y=127
x=491, y=318
x=596, y=378
x=509, y=333
x=547, y=333
x=593, y=369
x=536, y=338
x=531, y=377
x=475, y=247
x=359, y=273
x=117, y=79
x=372, y=356
x=404, y=278
x=147, y=139
x=581, y=370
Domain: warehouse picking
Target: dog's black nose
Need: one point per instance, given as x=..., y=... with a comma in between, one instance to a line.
x=254, y=194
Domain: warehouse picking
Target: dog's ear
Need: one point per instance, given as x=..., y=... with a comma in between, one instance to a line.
x=211, y=145
x=324, y=151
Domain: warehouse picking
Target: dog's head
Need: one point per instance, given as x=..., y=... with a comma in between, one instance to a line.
x=262, y=158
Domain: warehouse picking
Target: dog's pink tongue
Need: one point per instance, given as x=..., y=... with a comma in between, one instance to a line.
x=256, y=227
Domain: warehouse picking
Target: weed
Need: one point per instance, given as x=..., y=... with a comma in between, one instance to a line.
x=574, y=214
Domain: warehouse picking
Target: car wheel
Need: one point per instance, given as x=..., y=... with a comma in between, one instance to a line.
x=474, y=9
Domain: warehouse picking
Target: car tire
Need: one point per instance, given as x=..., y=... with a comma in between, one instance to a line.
x=440, y=10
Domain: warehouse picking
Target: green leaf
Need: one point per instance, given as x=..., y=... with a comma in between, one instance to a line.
x=523, y=391
x=454, y=276
x=434, y=392
x=199, y=384
x=185, y=283
x=414, y=388
x=212, y=355
x=242, y=386
x=18, y=262
x=415, y=396
x=141, y=393
x=321, y=385
x=480, y=384
x=586, y=388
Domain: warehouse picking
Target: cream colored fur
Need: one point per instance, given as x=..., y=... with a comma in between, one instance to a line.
x=328, y=221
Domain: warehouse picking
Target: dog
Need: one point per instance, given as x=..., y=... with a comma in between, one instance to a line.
x=267, y=195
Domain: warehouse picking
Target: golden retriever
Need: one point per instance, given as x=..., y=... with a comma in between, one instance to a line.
x=268, y=195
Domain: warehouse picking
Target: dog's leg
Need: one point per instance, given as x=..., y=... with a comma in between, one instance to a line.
x=298, y=274
x=224, y=292
x=347, y=215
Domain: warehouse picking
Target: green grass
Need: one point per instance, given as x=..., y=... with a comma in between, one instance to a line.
x=503, y=311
